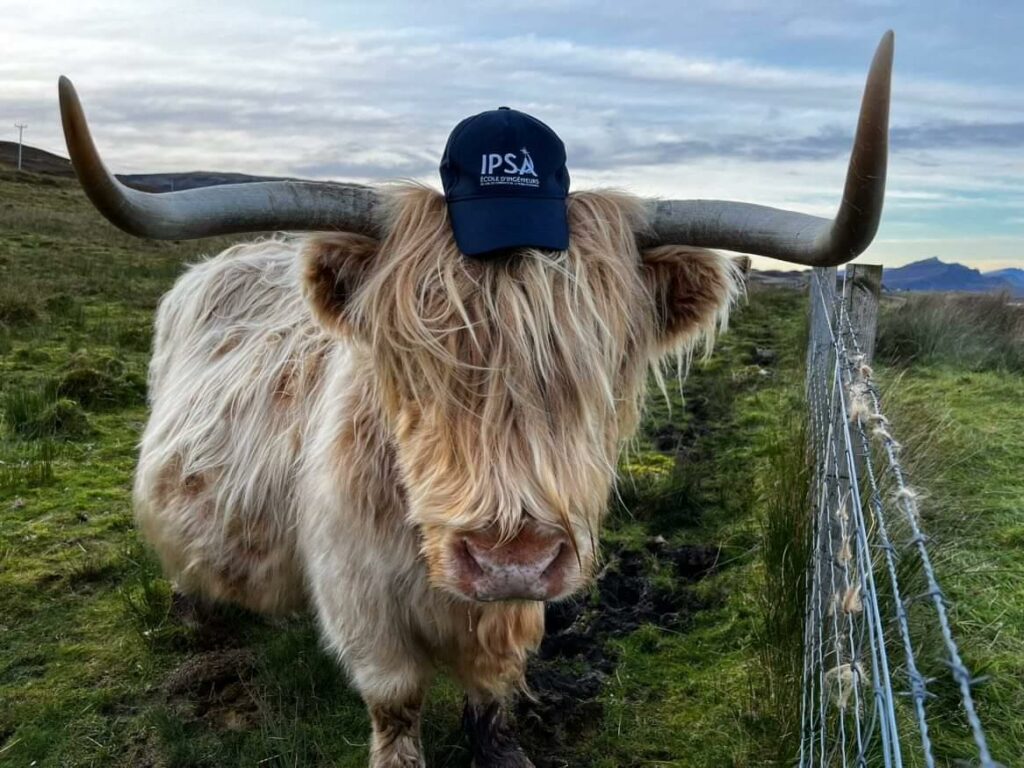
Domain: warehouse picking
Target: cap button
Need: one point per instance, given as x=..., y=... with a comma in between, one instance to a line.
x=503, y=107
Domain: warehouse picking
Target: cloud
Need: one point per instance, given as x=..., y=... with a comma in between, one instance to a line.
x=372, y=95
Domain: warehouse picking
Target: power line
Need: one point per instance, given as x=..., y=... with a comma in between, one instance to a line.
x=21, y=130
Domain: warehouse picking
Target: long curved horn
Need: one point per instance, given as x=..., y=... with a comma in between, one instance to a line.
x=301, y=206
x=798, y=237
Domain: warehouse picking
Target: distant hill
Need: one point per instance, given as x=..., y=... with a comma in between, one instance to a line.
x=34, y=160
x=780, y=278
x=1013, y=275
x=40, y=161
x=936, y=275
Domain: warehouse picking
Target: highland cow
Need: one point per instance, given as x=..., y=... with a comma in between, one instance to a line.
x=419, y=446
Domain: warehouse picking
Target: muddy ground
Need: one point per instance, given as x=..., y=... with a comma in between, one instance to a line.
x=575, y=659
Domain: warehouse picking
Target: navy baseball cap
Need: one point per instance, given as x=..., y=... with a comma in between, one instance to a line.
x=505, y=182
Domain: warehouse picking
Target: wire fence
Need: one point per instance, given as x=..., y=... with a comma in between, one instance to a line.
x=872, y=591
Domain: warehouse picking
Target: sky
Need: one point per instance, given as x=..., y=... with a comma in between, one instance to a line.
x=730, y=99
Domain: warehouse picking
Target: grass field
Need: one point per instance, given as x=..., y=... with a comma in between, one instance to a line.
x=684, y=654
x=954, y=381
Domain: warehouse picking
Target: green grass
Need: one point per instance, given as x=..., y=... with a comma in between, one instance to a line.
x=967, y=466
x=697, y=697
x=952, y=368
x=89, y=640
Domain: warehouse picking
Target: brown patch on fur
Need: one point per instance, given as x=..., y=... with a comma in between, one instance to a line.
x=298, y=378
x=285, y=386
x=247, y=546
x=168, y=481
x=375, y=475
x=313, y=370
x=174, y=484
x=195, y=484
x=691, y=286
x=334, y=265
x=228, y=344
x=174, y=487
x=251, y=538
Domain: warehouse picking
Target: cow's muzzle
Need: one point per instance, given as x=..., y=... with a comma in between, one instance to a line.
x=538, y=564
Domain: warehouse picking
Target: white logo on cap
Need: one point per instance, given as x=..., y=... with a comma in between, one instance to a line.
x=496, y=168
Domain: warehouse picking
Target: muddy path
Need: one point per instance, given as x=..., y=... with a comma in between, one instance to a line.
x=576, y=658
x=647, y=581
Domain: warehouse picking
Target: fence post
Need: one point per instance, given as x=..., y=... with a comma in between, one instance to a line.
x=821, y=289
x=860, y=298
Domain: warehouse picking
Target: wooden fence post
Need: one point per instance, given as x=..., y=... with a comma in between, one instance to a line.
x=821, y=291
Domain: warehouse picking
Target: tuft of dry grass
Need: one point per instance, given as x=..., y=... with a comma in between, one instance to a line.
x=977, y=332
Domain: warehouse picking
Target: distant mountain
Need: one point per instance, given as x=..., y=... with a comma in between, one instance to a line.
x=936, y=275
x=1013, y=275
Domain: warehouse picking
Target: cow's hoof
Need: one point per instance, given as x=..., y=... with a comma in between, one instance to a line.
x=398, y=761
x=188, y=610
x=491, y=739
x=517, y=760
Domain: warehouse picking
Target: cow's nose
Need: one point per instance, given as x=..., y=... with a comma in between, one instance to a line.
x=535, y=565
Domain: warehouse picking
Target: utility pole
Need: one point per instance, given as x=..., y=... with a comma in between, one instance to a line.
x=21, y=129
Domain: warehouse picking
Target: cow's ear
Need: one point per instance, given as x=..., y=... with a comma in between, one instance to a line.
x=693, y=291
x=334, y=267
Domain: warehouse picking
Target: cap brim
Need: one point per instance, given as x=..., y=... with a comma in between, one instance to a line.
x=491, y=224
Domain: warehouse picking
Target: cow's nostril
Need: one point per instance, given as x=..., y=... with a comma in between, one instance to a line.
x=535, y=556
x=554, y=563
x=469, y=559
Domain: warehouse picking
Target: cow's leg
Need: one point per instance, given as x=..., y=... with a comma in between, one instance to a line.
x=491, y=667
x=393, y=686
x=396, y=735
x=392, y=678
x=365, y=624
x=492, y=742
x=365, y=629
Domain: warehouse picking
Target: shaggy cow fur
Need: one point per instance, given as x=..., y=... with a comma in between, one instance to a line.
x=329, y=412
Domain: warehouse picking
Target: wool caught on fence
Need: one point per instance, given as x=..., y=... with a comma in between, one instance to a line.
x=865, y=699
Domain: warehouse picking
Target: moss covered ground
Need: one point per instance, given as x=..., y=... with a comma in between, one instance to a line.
x=97, y=668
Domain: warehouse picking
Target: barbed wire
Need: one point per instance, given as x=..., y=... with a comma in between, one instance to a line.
x=850, y=709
